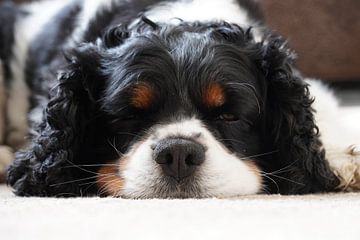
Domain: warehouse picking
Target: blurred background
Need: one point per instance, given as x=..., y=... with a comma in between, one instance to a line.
x=326, y=36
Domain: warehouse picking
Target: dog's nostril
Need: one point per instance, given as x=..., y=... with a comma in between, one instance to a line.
x=189, y=160
x=179, y=157
x=168, y=158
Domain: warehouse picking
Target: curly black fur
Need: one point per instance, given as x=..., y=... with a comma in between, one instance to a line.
x=290, y=120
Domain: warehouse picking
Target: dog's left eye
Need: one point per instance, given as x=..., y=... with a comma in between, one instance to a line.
x=228, y=117
x=128, y=117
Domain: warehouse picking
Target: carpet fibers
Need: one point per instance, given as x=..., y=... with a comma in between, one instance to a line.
x=330, y=216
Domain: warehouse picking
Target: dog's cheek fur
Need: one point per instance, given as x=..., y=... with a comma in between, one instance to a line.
x=109, y=181
x=294, y=134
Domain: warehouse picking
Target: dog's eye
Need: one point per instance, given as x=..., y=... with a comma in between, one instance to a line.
x=129, y=117
x=228, y=117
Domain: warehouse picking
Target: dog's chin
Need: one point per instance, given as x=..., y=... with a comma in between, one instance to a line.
x=199, y=185
x=155, y=184
x=171, y=189
x=168, y=188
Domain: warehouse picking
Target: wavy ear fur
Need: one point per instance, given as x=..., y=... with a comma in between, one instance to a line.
x=293, y=132
x=48, y=168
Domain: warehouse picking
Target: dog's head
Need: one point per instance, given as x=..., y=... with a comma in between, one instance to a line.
x=187, y=110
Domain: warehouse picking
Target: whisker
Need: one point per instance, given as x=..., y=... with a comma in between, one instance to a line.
x=259, y=155
x=103, y=177
x=83, y=169
x=95, y=182
x=113, y=145
x=89, y=165
x=87, y=183
x=284, y=178
x=277, y=186
x=102, y=190
x=65, y=194
x=230, y=139
x=82, y=179
x=253, y=90
x=281, y=170
x=264, y=188
x=128, y=133
x=117, y=150
x=72, y=181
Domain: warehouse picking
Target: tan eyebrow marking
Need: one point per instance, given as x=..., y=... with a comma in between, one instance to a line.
x=143, y=95
x=214, y=95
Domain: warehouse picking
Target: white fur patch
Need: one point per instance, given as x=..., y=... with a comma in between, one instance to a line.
x=221, y=175
x=339, y=139
x=203, y=11
x=88, y=12
x=200, y=10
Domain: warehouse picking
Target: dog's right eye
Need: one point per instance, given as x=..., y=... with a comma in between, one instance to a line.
x=228, y=117
x=129, y=117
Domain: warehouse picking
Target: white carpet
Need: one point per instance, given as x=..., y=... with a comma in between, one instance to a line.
x=334, y=216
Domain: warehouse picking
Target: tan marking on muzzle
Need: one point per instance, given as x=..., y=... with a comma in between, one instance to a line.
x=108, y=180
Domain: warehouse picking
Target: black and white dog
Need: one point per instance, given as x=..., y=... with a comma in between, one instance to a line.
x=164, y=99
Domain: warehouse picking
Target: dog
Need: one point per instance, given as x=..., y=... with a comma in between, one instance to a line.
x=163, y=99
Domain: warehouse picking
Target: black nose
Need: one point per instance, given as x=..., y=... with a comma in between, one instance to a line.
x=179, y=157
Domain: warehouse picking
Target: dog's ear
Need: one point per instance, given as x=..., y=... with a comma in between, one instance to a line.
x=48, y=167
x=291, y=128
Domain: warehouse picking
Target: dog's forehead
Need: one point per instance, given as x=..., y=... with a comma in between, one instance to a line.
x=181, y=70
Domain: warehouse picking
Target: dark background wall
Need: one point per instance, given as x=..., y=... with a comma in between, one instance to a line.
x=325, y=34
